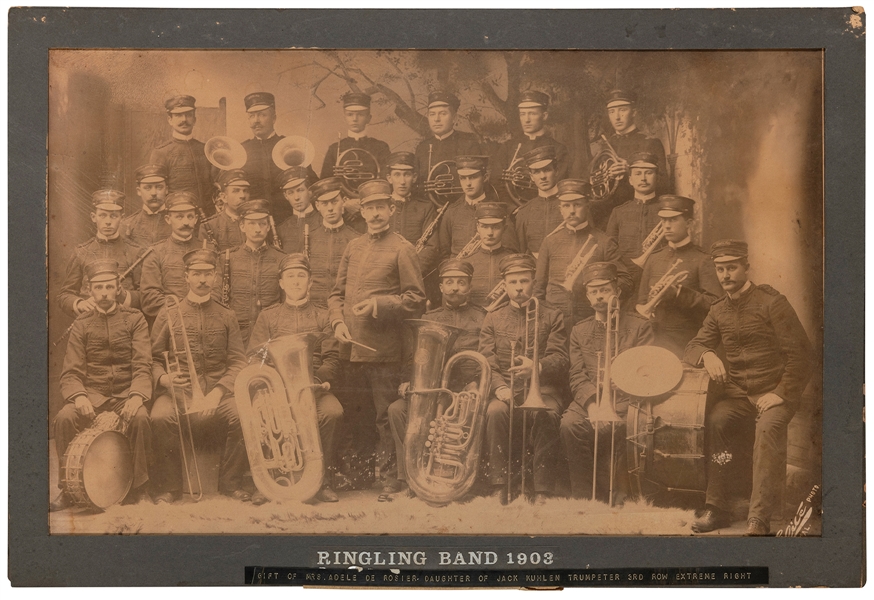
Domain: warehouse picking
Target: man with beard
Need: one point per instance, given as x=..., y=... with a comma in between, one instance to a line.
x=223, y=229
x=304, y=217
x=148, y=226
x=106, y=368
x=540, y=215
x=356, y=111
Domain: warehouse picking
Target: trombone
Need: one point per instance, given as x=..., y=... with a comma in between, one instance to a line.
x=606, y=398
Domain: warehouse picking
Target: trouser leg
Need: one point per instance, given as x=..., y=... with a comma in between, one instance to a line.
x=577, y=438
x=234, y=461
x=725, y=425
x=330, y=413
x=139, y=434
x=166, y=473
x=384, y=379
x=769, y=461
x=497, y=440
x=397, y=420
x=67, y=424
x=545, y=444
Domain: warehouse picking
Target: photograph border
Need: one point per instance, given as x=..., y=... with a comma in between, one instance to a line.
x=837, y=558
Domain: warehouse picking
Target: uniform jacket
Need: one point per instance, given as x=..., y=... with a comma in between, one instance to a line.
x=410, y=219
x=557, y=253
x=216, y=345
x=458, y=226
x=254, y=278
x=283, y=319
x=766, y=348
x=459, y=143
x=678, y=317
x=629, y=225
x=108, y=356
x=164, y=273
x=587, y=340
x=224, y=229
x=486, y=273
x=75, y=285
x=377, y=148
x=291, y=230
x=382, y=266
x=189, y=169
x=326, y=250
x=506, y=325
x=511, y=147
x=536, y=220
x=144, y=229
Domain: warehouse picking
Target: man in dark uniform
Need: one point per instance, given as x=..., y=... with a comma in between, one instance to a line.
x=630, y=224
x=107, y=368
x=533, y=114
x=304, y=217
x=219, y=356
x=500, y=330
x=539, y=216
x=148, y=226
x=769, y=363
x=625, y=141
x=458, y=225
x=262, y=171
x=456, y=311
x=163, y=268
x=587, y=348
x=413, y=213
x=559, y=264
x=379, y=284
x=491, y=222
x=328, y=240
x=679, y=314
x=298, y=315
x=252, y=268
x=75, y=297
x=223, y=229
x=189, y=169
x=356, y=111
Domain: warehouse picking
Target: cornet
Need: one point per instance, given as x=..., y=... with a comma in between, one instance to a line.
x=651, y=242
x=578, y=264
x=661, y=287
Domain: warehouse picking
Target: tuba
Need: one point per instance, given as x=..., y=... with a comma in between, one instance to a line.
x=279, y=420
x=293, y=151
x=602, y=183
x=444, y=433
x=354, y=167
x=225, y=153
x=517, y=180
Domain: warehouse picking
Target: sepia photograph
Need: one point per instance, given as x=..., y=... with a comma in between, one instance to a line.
x=435, y=292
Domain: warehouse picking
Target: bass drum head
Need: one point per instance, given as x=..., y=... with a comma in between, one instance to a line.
x=107, y=471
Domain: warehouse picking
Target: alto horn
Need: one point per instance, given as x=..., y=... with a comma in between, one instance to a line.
x=293, y=151
x=443, y=440
x=279, y=420
x=225, y=153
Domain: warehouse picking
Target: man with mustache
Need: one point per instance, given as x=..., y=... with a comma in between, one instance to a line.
x=182, y=154
x=106, y=368
x=224, y=228
x=163, y=268
x=75, y=297
x=768, y=363
x=147, y=226
x=379, y=284
x=540, y=215
x=356, y=112
x=217, y=349
x=296, y=191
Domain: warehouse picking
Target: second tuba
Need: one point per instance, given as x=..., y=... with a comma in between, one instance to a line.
x=225, y=153
x=279, y=420
x=444, y=433
x=293, y=151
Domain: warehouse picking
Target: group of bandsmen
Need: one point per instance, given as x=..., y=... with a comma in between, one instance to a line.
x=355, y=266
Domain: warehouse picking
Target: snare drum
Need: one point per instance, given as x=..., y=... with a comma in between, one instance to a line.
x=666, y=439
x=98, y=464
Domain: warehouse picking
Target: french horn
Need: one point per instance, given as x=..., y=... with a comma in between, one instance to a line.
x=355, y=166
x=442, y=184
x=517, y=182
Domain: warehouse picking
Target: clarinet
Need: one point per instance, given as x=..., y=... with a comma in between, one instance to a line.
x=306, y=240
x=277, y=243
x=226, y=279
x=206, y=228
x=429, y=231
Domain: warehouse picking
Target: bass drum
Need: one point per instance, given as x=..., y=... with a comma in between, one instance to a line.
x=666, y=439
x=98, y=464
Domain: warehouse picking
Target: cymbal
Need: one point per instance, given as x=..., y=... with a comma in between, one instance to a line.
x=647, y=371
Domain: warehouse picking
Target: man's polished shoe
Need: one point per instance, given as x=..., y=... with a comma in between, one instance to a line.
x=326, y=494
x=710, y=520
x=166, y=498
x=62, y=502
x=258, y=498
x=755, y=526
x=241, y=495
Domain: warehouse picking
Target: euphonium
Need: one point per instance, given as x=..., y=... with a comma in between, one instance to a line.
x=650, y=244
x=279, y=420
x=444, y=433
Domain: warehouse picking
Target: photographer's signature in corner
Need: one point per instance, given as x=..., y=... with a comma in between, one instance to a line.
x=800, y=523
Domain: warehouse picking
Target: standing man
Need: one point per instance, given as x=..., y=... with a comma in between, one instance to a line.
x=218, y=354
x=540, y=215
x=304, y=217
x=378, y=286
x=491, y=222
x=444, y=143
x=587, y=348
x=182, y=154
x=106, y=368
x=148, y=226
x=413, y=214
x=678, y=316
x=75, y=297
x=769, y=363
x=559, y=265
x=164, y=269
x=223, y=229
x=252, y=269
x=298, y=315
x=500, y=330
x=356, y=111
x=626, y=140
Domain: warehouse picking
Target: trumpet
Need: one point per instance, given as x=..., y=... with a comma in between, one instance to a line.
x=661, y=287
x=293, y=151
x=651, y=242
x=606, y=397
x=497, y=296
x=602, y=183
x=579, y=263
x=225, y=153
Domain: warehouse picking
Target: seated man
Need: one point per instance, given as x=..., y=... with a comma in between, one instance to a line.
x=501, y=330
x=769, y=363
x=587, y=349
x=298, y=315
x=106, y=368
x=217, y=349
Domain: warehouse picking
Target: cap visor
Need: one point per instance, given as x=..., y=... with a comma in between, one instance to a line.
x=726, y=258
x=180, y=109
x=375, y=198
x=454, y=273
x=256, y=216
x=540, y=163
x=400, y=167
x=292, y=184
x=512, y=270
x=669, y=213
x=238, y=183
x=642, y=165
x=108, y=206
x=181, y=207
x=570, y=197
x=356, y=107
x=618, y=103
x=152, y=179
x=103, y=277
x=328, y=196
x=599, y=281
x=467, y=172
x=200, y=267
x=439, y=103
x=489, y=220
x=258, y=108
x=529, y=104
